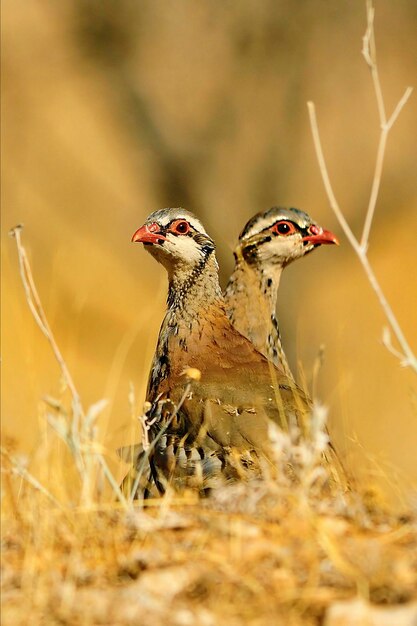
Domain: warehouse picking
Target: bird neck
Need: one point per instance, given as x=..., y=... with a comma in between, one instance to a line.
x=251, y=299
x=193, y=299
x=251, y=296
x=187, y=289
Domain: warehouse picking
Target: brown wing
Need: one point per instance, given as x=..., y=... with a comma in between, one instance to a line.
x=239, y=388
x=227, y=411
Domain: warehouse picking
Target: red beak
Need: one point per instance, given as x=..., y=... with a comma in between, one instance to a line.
x=322, y=237
x=148, y=233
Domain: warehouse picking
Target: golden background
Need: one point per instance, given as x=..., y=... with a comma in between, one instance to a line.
x=112, y=110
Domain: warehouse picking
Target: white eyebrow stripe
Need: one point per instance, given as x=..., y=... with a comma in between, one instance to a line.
x=194, y=222
x=263, y=222
x=165, y=216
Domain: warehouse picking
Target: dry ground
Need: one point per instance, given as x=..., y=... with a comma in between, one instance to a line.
x=259, y=553
x=110, y=114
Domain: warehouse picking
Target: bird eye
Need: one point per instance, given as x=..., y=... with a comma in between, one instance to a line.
x=180, y=227
x=284, y=228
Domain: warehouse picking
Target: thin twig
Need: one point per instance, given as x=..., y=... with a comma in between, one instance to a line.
x=35, y=306
x=369, y=53
x=376, y=182
x=408, y=356
x=145, y=454
x=399, y=107
x=386, y=340
x=326, y=179
x=101, y=460
x=80, y=438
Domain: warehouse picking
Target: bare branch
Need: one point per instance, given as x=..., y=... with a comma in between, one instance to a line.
x=368, y=36
x=369, y=52
x=410, y=358
x=386, y=340
x=407, y=357
x=326, y=179
x=401, y=103
x=376, y=181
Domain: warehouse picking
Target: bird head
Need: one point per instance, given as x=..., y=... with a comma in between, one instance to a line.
x=279, y=236
x=176, y=238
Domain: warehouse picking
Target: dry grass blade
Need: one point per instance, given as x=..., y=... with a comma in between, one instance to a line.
x=148, y=446
x=80, y=434
x=38, y=313
x=17, y=467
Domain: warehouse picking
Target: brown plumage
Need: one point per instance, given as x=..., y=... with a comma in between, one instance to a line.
x=269, y=242
x=225, y=415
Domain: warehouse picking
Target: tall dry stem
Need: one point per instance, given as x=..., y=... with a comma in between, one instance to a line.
x=80, y=435
x=405, y=354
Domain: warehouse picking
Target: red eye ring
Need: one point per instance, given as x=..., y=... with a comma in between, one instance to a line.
x=180, y=227
x=284, y=228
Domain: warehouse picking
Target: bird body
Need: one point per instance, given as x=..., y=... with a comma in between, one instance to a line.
x=240, y=391
x=269, y=242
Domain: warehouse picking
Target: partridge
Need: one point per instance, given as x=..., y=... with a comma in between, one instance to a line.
x=220, y=421
x=269, y=242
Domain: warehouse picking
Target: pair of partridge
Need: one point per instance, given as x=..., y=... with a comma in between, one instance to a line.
x=219, y=423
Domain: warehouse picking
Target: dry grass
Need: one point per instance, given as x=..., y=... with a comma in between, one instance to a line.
x=280, y=551
x=257, y=553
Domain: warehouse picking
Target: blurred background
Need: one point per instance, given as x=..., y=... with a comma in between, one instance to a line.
x=112, y=110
